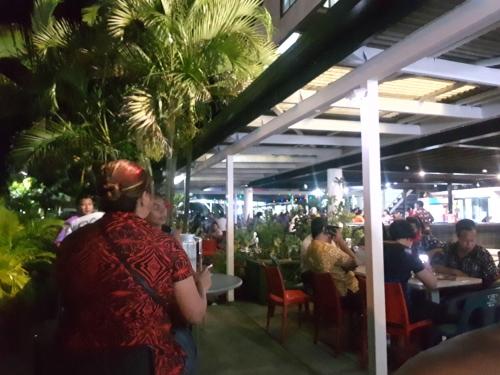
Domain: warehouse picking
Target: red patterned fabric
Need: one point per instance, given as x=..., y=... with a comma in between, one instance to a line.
x=104, y=307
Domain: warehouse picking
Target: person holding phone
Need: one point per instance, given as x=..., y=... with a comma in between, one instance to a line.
x=323, y=255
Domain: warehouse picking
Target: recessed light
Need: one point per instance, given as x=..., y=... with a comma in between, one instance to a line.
x=394, y=183
x=407, y=167
x=484, y=171
x=435, y=185
x=478, y=184
x=387, y=185
x=421, y=173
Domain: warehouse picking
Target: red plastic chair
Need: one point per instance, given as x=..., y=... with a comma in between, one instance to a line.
x=327, y=306
x=397, y=317
x=209, y=247
x=363, y=350
x=277, y=295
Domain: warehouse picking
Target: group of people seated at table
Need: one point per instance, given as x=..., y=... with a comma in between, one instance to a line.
x=405, y=242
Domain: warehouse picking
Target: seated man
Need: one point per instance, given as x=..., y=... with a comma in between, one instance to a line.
x=323, y=255
x=475, y=352
x=399, y=262
x=465, y=257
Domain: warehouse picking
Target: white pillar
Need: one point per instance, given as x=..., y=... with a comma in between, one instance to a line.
x=372, y=192
x=335, y=187
x=230, y=221
x=248, y=207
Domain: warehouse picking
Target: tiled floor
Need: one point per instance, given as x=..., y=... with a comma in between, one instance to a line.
x=233, y=340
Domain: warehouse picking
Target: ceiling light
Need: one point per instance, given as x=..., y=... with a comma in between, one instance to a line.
x=290, y=41
x=407, y=167
x=498, y=176
x=388, y=185
x=421, y=173
x=478, y=184
x=484, y=171
x=394, y=183
x=305, y=186
x=435, y=185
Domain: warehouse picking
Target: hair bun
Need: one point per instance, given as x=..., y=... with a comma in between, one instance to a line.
x=112, y=191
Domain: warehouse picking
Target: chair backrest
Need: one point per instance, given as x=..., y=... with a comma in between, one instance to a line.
x=396, y=311
x=209, y=247
x=362, y=291
x=480, y=309
x=275, y=284
x=326, y=296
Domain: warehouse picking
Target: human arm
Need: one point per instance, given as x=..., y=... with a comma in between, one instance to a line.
x=191, y=296
x=342, y=245
x=347, y=262
x=427, y=278
x=448, y=270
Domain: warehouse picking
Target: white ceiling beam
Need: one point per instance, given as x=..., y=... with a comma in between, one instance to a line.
x=289, y=150
x=320, y=124
x=292, y=139
x=435, y=67
x=263, y=166
x=417, y=107
x=466, y=19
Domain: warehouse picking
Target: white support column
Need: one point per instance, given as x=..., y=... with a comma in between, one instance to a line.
x=230, y=221
x=335, y=187
x=372, y=192
x=248, y=207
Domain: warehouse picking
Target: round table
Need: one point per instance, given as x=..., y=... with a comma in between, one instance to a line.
x=222, y=283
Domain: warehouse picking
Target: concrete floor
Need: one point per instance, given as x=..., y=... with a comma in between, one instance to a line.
x=233, y=340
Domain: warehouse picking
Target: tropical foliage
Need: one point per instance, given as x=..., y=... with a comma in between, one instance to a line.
x=135, y=79
x=23, y=247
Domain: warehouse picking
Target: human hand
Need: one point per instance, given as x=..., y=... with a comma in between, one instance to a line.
x=204, y=278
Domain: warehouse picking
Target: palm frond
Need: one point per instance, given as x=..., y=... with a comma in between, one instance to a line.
x=57, y=34
x=12, y=43
x=140, y=111
x=43, y=11
x=90, y=14
x=125, y=12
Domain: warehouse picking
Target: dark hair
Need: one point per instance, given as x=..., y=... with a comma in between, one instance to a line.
x=416, y=220
x=318, y=225
x=400, y=229
x=358, y=211
x=420, y=204
x=331, y=230
x=83, y=196
x=464, y=224
x=121, y=184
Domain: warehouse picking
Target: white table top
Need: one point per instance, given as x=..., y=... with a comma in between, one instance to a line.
x=222, y=283
x=459, y=281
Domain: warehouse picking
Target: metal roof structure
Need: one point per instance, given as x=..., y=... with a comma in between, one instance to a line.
x=454, y=87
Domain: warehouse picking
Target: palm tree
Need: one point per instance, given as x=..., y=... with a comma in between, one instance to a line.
x=191, y=55
x=68, y=74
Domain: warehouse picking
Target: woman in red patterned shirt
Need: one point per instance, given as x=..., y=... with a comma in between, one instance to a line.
x=105, y=307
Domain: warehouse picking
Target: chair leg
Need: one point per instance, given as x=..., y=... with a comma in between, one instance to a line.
x=270, y=313
x=316, y=324
x=300, y=314
x=284, y=323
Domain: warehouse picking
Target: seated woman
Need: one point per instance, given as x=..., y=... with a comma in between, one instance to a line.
x=399, y=263
x=113, y=274
x=85, y=205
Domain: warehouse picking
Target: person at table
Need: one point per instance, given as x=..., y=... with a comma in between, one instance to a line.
x=465, y=257
x=85, y=203
x=99, y=268
x=471, y=353
x=400, y=263
x=323, y=255
x=424, y=242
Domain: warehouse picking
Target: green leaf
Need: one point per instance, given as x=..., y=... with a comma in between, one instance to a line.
x=90, y=14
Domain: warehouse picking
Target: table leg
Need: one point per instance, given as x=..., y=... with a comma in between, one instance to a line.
x=435, y=296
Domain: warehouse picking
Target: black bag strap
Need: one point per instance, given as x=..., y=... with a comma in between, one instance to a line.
x=136, y=276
